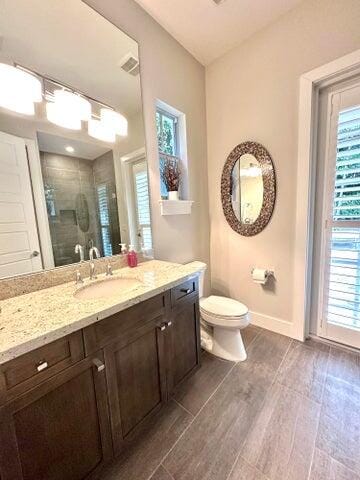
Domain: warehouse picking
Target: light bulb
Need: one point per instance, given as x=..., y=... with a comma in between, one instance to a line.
x=73, y=103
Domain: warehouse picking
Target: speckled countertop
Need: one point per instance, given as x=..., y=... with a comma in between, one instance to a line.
x=30, y=321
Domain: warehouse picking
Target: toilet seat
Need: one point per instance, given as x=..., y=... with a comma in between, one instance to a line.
x=223, y=307
x=224, y=312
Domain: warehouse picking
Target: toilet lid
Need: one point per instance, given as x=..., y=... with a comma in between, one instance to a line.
x=223, y=306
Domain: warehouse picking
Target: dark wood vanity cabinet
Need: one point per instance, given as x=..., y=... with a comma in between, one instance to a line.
x=70, y=422
x=60, y=429
x=183, y=340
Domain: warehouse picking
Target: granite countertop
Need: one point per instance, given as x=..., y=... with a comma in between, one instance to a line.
x=30, y=321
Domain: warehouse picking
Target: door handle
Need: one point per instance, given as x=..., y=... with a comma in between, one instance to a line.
x=35, y=253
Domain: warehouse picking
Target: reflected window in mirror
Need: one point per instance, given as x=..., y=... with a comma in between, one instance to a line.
x=73, y=166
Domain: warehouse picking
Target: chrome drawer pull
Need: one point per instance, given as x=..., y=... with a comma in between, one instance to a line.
x=169, y=323
x=162, y=328
x=42, y=366
x=185, y=290
x=99, y=365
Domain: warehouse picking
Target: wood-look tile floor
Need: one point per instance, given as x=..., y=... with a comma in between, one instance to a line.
x=290, y=412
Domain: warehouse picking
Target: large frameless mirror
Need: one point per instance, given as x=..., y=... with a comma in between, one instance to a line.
x=248, y=188
x=73, y=170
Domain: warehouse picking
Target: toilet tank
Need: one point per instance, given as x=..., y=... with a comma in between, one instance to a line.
x=202, y=279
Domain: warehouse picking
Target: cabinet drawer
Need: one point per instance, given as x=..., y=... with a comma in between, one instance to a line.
x=122, y=324
x=184, y=290
x=21, y=374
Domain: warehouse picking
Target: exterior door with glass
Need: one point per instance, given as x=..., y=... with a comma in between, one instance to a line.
x=339, y=290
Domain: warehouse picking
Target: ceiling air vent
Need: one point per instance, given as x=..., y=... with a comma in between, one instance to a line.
x=130, y=64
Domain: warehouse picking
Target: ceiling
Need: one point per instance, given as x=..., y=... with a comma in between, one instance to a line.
x=70, y=42
x=208, y=30
x=56, y=144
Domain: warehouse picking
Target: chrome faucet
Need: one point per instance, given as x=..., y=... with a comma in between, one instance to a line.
x=92, y=271
x=80, y=249
x=92, y=251
x=79, y=280
x=109, y=271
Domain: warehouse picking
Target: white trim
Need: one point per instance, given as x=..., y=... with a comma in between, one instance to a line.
x=309, y=84
x=274, y=324
x=175, y=207
x=37, y=183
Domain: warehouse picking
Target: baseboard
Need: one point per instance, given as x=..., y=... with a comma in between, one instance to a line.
x=272, y=323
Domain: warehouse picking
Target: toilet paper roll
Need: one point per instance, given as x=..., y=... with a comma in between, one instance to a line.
x=259, y=275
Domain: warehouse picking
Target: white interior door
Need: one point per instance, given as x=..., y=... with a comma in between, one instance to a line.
x=19, y=241
x=340, y=258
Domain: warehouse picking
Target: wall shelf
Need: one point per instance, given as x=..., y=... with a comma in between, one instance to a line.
x=175, y=207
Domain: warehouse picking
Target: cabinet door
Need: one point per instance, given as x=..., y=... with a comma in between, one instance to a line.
x=183, y=341
x=60, y=429
x=136, y=378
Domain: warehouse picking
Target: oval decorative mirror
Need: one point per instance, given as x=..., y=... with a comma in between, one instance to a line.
x=248, y=188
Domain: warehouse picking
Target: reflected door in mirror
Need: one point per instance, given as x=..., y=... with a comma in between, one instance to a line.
x=247, y=189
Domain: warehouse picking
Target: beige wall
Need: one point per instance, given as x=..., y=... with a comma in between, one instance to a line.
x=252, y=94
x=171, y=74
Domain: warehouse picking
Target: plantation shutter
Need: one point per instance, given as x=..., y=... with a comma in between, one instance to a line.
x=143, y=206
x=341, y=304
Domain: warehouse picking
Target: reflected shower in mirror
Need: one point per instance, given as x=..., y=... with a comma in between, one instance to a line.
x=73, y=169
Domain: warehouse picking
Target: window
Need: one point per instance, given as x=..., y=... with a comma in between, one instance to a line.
x=167, y=133
x=168, y=140
x=104, y=216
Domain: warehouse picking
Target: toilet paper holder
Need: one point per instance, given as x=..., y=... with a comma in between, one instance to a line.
x=267, y=275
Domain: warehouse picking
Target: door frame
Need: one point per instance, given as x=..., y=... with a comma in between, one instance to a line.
x=37, y=185
x=340, y=69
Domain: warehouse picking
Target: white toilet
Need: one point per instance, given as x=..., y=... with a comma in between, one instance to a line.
x=222, y=319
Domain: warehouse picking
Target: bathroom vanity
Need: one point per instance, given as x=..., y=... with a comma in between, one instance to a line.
x=73, y=392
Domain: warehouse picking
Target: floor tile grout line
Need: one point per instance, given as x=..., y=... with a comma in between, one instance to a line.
x=321, y=407
x=260, y=409
x=182, y=406
x=192, y=421
x=167, y=471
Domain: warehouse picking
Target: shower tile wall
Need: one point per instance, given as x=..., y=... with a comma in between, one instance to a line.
x=64, y=178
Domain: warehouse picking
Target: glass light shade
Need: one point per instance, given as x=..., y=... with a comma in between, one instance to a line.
x=115, y=121
x=59, y=115
x=73, y=103
x=19, y=89
x=98, y=129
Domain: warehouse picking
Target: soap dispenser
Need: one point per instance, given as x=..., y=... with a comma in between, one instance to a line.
x=132, y=257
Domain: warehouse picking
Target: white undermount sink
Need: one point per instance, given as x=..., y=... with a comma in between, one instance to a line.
x=106, y=288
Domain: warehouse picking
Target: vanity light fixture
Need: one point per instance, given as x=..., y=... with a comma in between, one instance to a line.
x=57, y=114
x=70, y=149
x=19, y=89
x=68, y=109
x=115, y=121
x=100, y=130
